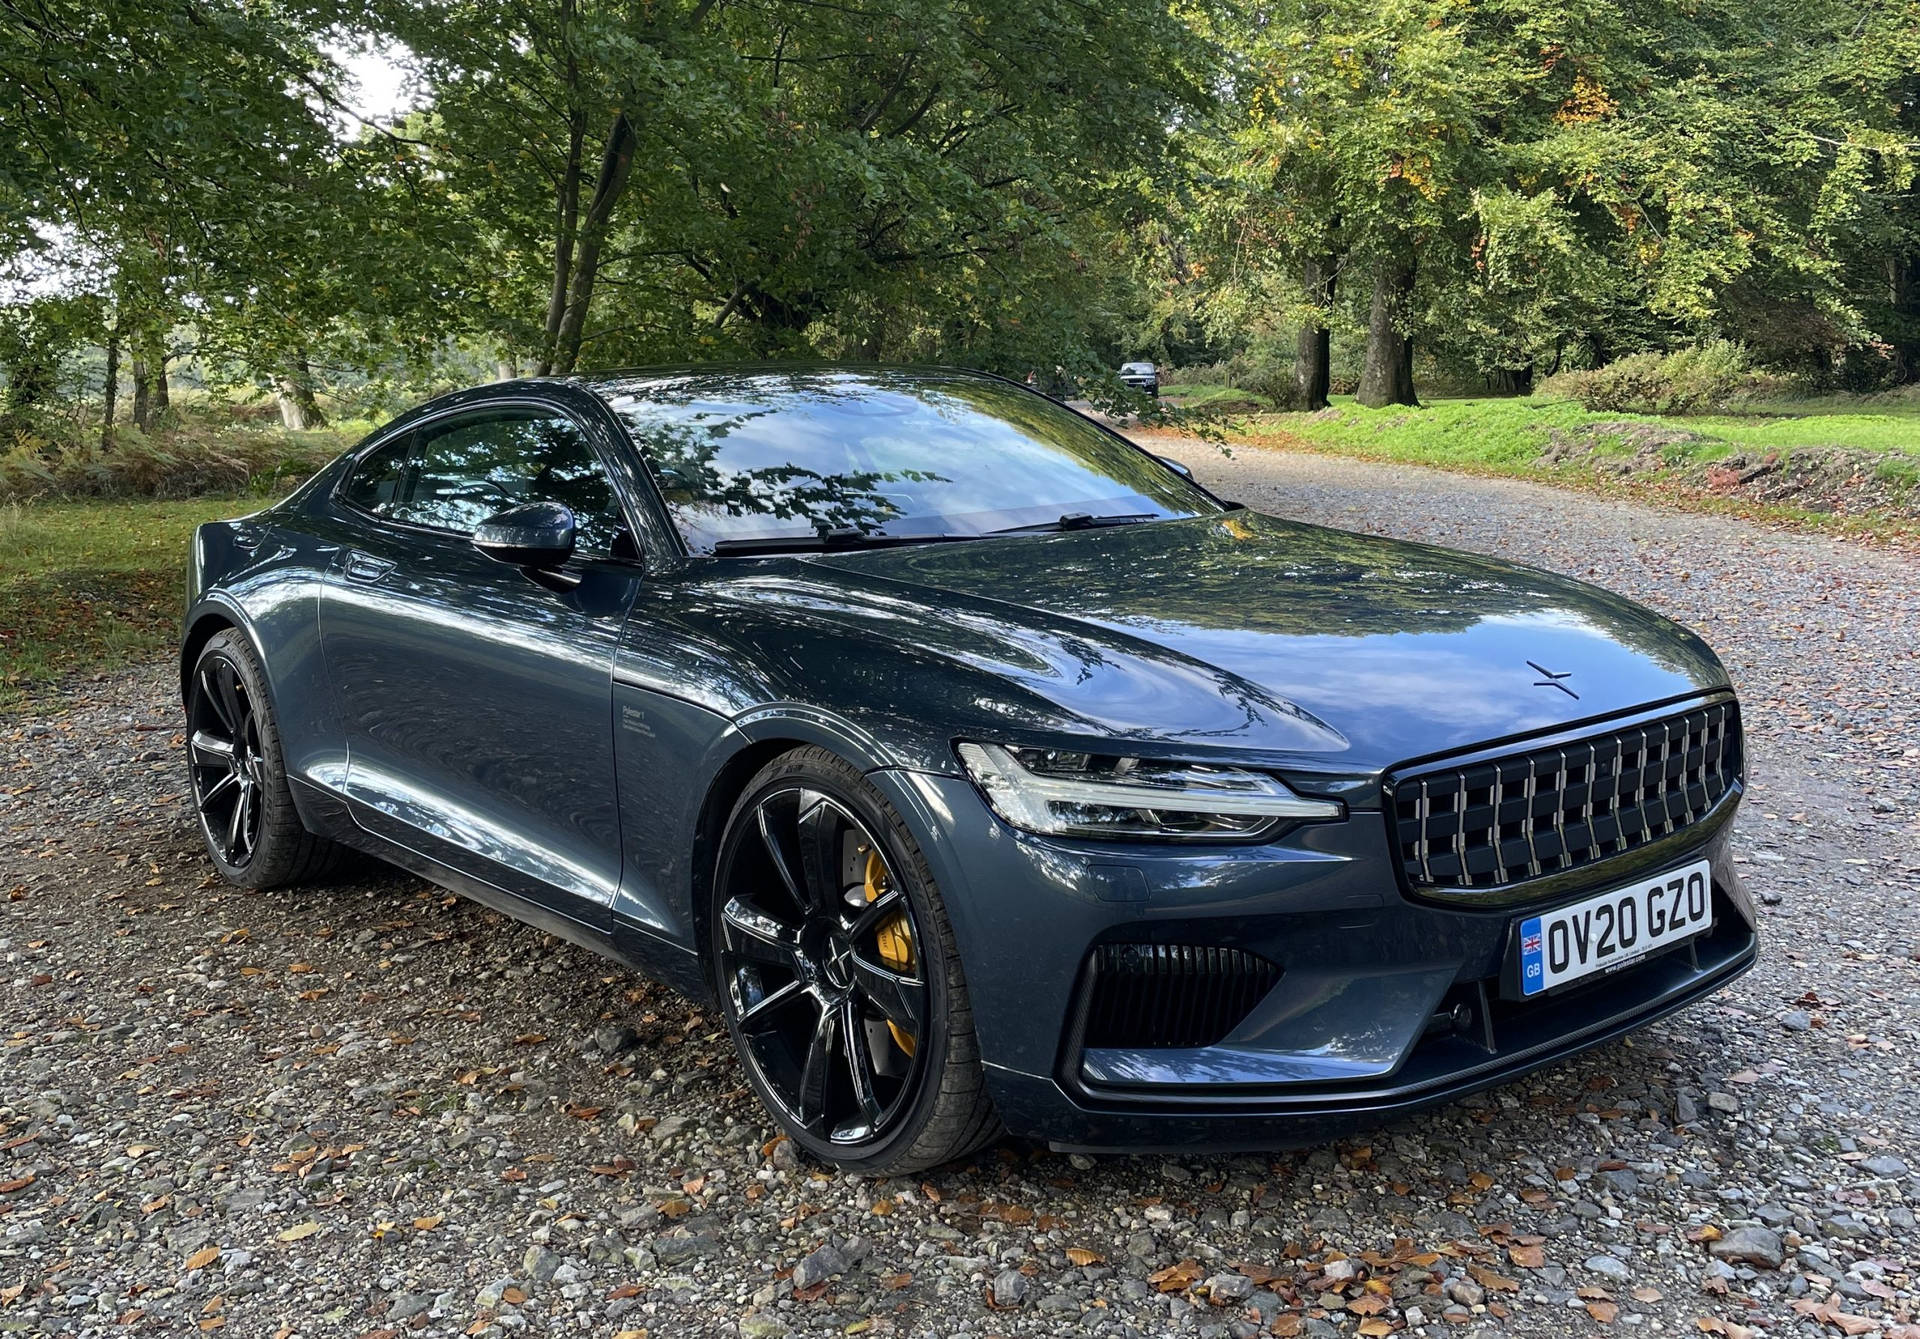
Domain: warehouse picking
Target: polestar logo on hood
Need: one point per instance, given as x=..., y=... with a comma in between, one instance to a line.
x=1553, y=680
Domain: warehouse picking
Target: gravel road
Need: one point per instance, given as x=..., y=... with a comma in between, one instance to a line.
x=370, y=1109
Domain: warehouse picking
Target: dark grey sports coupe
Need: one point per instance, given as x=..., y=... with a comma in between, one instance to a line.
x=989, y=772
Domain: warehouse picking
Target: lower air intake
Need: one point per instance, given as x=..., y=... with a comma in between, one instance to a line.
x=1170, y=995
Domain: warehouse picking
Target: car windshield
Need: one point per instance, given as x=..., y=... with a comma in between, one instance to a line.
x=744, y=457
x=1136, y=369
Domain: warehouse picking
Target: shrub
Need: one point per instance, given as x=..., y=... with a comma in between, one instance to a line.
x=186, y=460
x=1693, y=380
x=1275, y=384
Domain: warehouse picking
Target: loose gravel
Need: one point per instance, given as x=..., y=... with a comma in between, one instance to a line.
x=370, y=1109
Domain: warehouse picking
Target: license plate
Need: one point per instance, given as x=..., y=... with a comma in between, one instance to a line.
x=1610, y=930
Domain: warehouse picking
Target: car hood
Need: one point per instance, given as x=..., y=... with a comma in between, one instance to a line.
x=1244, y=632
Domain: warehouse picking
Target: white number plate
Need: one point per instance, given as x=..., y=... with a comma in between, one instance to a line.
x=1613, y=929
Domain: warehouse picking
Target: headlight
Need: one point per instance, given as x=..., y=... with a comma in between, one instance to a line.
x=1062, y=794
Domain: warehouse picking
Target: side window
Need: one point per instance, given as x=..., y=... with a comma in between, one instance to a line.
x=379, y=482
x=473, y=468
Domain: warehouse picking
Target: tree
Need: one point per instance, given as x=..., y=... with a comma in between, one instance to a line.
x=790, y=177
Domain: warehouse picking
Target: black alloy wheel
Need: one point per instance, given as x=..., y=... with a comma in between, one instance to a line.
x=240, y=792
x=223, y=744
x=838, y=977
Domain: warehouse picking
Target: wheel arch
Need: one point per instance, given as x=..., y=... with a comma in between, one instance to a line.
x=729, y=783
x=767, y=733
x=206, y=621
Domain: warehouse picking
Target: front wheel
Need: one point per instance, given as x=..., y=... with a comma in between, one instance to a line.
x=240, y=794
x=838, y=974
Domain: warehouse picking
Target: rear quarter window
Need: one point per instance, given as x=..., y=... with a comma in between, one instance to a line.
x=378, y=483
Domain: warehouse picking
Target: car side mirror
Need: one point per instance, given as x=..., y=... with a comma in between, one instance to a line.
x=536, y=535
x=1179, y=467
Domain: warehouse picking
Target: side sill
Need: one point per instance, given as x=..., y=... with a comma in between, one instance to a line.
x=629, y=943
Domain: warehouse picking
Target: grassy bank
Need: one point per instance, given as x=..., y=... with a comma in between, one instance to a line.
x=1857, y=470
x=92, y=586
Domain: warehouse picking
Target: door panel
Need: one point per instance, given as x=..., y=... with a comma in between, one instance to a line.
x=477, y=704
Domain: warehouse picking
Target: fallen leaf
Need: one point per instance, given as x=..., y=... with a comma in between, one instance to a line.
x=513, y=1295
x=624, y=1290
x=1527, y=1257
x=203, y=1257
x=1376, y=1327
x=1714, y=1325
x=1287, y=1325
x=1604, y=1312
x=1492, y=1282
x=429, y=1224
x=1083, y=1257
x=895, y=1282
x=1834, y=1316
x=299, y=1231
x=1176, y=1278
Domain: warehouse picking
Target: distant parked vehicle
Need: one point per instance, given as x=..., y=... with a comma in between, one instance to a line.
x=1142, y=377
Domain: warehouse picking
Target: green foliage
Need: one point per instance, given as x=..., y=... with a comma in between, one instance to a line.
x=202, y=453
x=1697, y=379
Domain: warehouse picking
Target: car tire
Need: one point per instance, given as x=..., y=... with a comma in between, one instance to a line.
x=237, y=774
x=941, y=1110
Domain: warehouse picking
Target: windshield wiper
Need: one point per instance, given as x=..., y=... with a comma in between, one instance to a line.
x=1080, y=520
x=825, y=542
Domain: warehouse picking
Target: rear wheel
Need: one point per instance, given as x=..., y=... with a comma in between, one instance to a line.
x=247, y=818
x=838, y=973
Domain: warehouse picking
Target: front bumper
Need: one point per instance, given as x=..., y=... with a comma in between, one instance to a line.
x=1346, y=1037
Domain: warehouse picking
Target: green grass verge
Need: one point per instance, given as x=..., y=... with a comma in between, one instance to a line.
x=1214, y=396
x=90, y=586
x=1509, y=433
x=1509, y=437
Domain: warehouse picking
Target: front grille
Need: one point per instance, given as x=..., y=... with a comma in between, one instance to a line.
x=1155, y=995
x=1503, y=820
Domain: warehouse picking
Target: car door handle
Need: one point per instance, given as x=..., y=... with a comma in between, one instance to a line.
x=365, y=567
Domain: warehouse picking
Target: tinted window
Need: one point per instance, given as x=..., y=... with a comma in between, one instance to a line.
x=757, y=456
x=469, y=470
x=379, y=481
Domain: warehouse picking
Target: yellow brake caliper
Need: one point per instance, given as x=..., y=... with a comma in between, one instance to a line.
x=894, y=938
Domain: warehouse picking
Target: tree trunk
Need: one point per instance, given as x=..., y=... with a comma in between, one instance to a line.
x=1313, y=363
x=299, y=411
x=569, y=209
x=110, y=390
x=150, y=399
x=1387, y=377
x=161, y=400
x=615, y=166
x=1512, y=380
x=1903, y=332
x=142, y=394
